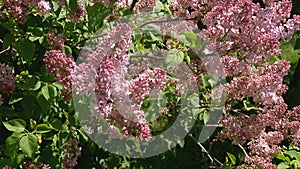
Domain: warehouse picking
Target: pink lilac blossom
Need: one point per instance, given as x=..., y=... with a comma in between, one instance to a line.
x=265, y=89
x=30, y=2
x=75, y=16
x=7, y=167
x=7, y=79
x=16, y=10
x=55, y=40
x=145, y=5
x=108, y=66
x=71, y=153
x=243, y=26
x=44, y=7
x=61, y=66
x=247, y=36
x=141, y=86
x=1, y=100
x=38, y=165
x=140, y=6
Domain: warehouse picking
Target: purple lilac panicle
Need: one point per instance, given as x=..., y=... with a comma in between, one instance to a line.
x=247, y=36
x=61, y=65
x=71, y=153
x=7, y=79
x=108, y=64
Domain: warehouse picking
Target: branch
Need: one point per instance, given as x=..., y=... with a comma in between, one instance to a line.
x=5, y=50
x=244, y=151
x=212, y=159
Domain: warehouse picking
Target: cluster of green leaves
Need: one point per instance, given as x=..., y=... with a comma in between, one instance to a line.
x=289, y=158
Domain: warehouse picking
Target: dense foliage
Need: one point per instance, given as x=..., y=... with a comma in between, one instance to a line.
x=43, y=90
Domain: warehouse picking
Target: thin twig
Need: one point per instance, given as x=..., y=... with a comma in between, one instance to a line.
x=244, y=151
x=212, y=159
x=5, y=50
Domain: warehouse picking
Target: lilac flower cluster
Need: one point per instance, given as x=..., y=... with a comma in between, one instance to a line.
x=247, y=36
x=145, y=5
x=140, y=6
x=242, y=26
x=7, y=167
x=118, y=98
x=1, y=100
x=55, y=41
x=18, y=9
x=264, y=85
x=44, y=7
x=7, y=79
x=141, y=86
x=61, y=65
x=38, y=165
x=71, y=153
x=75, y=16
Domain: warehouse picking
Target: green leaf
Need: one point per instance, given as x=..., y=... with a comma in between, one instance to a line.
x=280, y=156
x=195, y=101
x=26, y=50
x=29, y=145
x=15, y=98
x=194, y=40
x=283, y=165
x=28, y=100
x=52, y=91
x=12, y=144
x=292, y=153
x=43, y=128
x=181, y=143
x=45, y=92
x=17, y=125
x=173, y=57
x=8, y=112
x=181, y=38
x=295, y=163
x=96, y=15
x=56, y=123
x=67, y=50
x=34, y=38
x=232, y=158
x=72, y=4
x=7, y=40
x=152, y=32
x=31, y=83
x=43, y=103
x=206, y=116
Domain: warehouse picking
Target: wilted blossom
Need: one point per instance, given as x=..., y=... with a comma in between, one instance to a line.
x=7, y=79
x=61, y=65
